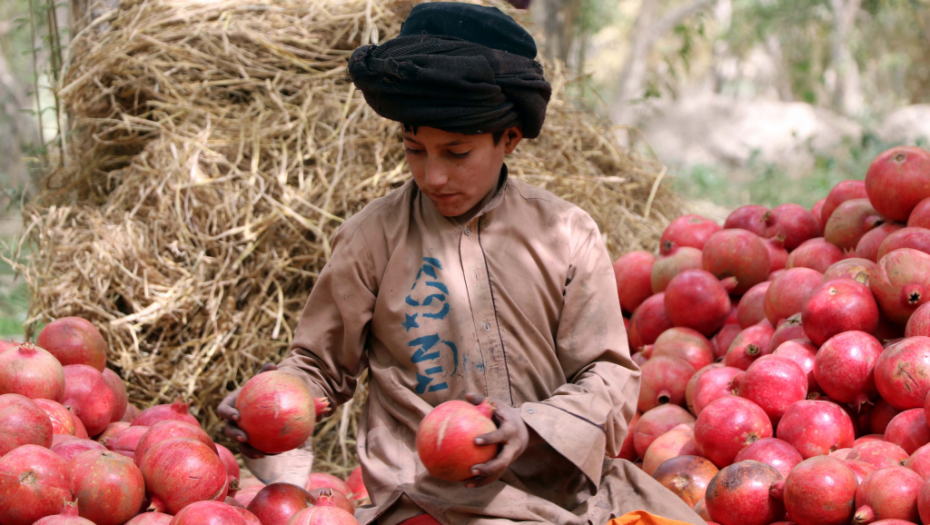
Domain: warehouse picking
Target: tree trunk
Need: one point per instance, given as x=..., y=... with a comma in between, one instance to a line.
x=558, y=19
x=844, y=71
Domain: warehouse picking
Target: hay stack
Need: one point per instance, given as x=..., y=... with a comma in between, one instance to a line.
x=216, y=147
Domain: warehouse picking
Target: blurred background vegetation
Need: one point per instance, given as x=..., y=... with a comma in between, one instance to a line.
x=746, y=101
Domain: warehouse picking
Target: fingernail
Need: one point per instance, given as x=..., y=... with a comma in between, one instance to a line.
x=479, y=441
x=474, y=472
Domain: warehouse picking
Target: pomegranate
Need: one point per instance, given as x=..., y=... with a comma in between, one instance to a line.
x=696, y=299
x=68, y=516
x=869, y=244
x=87, y=394
x=920, y=215
x=686, y=344
x=919, y=461
x=166, y=469
x=687, y=476
x=319, y=480
x=678, y=441
x=849, y=222
x=736, y=253
x=728, y=425
x=649, y=321
x=844, y=367
x=868, y=438
x=816, y=428
x=788, y=329
x=902, y=373
x=327, y=497
x=778, y=255
x=773, y=383
x=775, y=275
x=915, y=238
x=22, y=422
x=34, y=481
x=740, y=493
x=627, y=450
x=803, y=353
x=657, y=422
x=245, y=495
x=119, y=390
x=919, y=322
x=126, y=442
x=360, y=493
x=749, y=345
x=773, y=452
x=816, y=254
x=151, y=518
x=748, y=217
x=446, y=439
x=888, y=493
x=859, y=270
x=72, y=448
x=842, y=192
x=900, y=283
x=323, y=515
x=74, y=341
x=276, y=503
x=639, y=358
x=839, y=306
x=817, y=211
x=211, y=513
x=787, y=294
x=793, y=223
x=164, y=430
x=112, y=430
x=634, y=273
x=879, y=454
x=31, y=371
x=688, y=230
x=132, y=412
x=712, y=384
x=664, y=379
x=176, y=411
x=721, y=342
x=108, y=487
x=861, y=469
x=700, y=508
x=908, y=430
x=751, y=307
x=232, y=468
x=897, y=181
x=881, y=414
x=61, y=418
x=673, y=263
x=820, y=491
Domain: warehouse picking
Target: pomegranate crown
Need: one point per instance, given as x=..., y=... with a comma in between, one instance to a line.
x=486, y=408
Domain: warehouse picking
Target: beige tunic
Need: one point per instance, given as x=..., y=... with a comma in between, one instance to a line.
x=519, y=304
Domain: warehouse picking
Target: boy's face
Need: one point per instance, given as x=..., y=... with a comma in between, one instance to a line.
x=454, y=170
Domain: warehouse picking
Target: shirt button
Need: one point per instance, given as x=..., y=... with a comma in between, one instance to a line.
x=467, y=231
x=486, y=326
x=531, y=410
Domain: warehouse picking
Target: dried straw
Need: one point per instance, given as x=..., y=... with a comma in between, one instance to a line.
x=216, y=147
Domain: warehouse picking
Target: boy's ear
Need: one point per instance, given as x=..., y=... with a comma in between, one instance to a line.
x=512, y=136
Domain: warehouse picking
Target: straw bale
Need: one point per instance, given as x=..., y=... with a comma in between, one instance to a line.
x=215, y=148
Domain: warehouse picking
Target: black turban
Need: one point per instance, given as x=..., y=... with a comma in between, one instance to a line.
x=460, y=68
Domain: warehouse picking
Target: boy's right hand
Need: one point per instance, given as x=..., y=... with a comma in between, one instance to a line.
x=227, y=410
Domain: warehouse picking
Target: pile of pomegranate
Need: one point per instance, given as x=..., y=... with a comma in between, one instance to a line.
x=786, y=355
x=73, y=450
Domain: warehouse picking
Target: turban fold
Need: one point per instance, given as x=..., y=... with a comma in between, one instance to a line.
x=457, y=67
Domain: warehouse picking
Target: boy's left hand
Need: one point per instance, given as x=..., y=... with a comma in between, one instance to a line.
x=512, y=433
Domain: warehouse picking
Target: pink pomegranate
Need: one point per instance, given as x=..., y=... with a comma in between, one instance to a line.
x=748, y=217
x=817, y=211
x=74, y=341
x=688, y=230
x=774, y=383
x=879, y=454
x=816, y=254
x=245, y=495
x=751, y=307
x=919, y=461
x=859, y=270
x=108, y=487
x=678, y=441
x=87, y=394
x=920, y=215
x=803, y=353
x=901, y=283
x=112, y=430
x=820, y=491
x=737, y=253
x=844, y=367
x=861, y=469
x=869, y=244
x=842, y=192
x=687, y=476
x=881, y=414
x=627, y=450
x=788, y=329
x=721, y=342
x=639, y=358
x=232, y=468
x=673, y=263
x=773, y=452
x=22, y=422
x=710, y=385
x=72, y=448
x=850, y=221
x=634, y=273
x=867, y=439
x=164, y=430
x=908, y=430
x=176, y=411
x=816, y=428
x=793, y=223
x=327, y=497
x=656, y=422
x=778, y=255
x=320, y=480
x=775, y=275
x=132, y=412
x=897, y=181
x=740, y=493
x=126, y=441
x=914, y=238
x=323, y=515
x=700, y=508
x=119, y=390
x=902, y=373
x=68, y=516
x=31, y=371
x=888, y=493
x=728, y=425
x=919, y=322
x=649, y=321
x=166, y=467
x=276, y=503
x=751, y=344
x=61, y=418
x=210, y=513
x=696, y=299
x=34, y=481
x=686, y=344
x=664, y=379
x=151, y=518
x=787, y=294
x=446, y=439
x=357, y=484
x=839, y=306
x=276, y=410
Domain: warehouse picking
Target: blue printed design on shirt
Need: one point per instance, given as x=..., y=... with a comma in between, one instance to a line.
x=426, y=338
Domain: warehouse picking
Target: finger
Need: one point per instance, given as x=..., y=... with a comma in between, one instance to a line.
x=475, y=399
x=226, y=408
x=234, y=432
x=268, y=366
x=502, y=435
x=250, y=452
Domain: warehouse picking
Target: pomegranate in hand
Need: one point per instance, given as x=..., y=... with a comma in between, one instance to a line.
x=446, y=439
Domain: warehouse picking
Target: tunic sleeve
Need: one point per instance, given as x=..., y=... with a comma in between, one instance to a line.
x=328, y=351
x=589, y=416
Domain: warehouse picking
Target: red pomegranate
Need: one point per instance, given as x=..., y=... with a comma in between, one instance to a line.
x=327, y=497
x=919, y=461
x=803, y=353
x=34, y=481
x=741, y=494
x=751, y=344
x=61, y=418
x=360, y=493
x=112, y=430
x=869, y=244
x=737, y=253
x=132, y=412
x=775, y=275
x=844, y=367
x=920, y=215
x=164, y=430
x=793, y=223
x=728, y=425
x=817, y=211
x=914, y=238
x=839, y=306
x=687, y=476
x=820, y=491
x=276, y=503
x=721, y=342
x=232, y=468
x=700, y=508
x=849, y=222
x=908, y=430
x=774, y=383
x=902, y=373
x=87, y=394
x=787, y=294
x=816, y=254
x=176, y=411
x=22, y=422
x=686, y=344
x=656, y=422
x=919, y=322
x=867, y=438
x=712, y=384
x=897, y=181
x=245, y=495
x=74, y=341
x=751, y=307
x=861, y=469
x=879, y=454
x=788, y=329
x=166, y=467
x=211, y=513
x=126, y=441
x=68, y=516
x=778, y=255
x=687, y=230
x=678, y=441
x=323, y=515
x=842, y=192
x=151, y=518
x=881, y=414
x=320, y=480
x=673, y=263
x=72, y=448
x=888, y=493
x=773, y=452
x=31, y=371
x=901, y=283
x=634, y=278
x=664, y=379
x=748, y=217
x=446, y=439
x=108, y=487
x=859, y=270
x=648, y=322
x=119, y=390
x=816, y=428
x=696, y=299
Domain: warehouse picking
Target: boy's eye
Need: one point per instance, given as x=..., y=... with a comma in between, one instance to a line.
x=459, y=155
x=413, y=151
